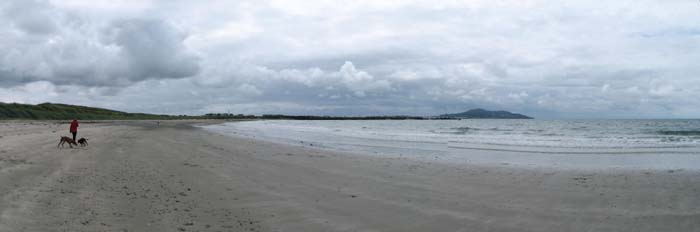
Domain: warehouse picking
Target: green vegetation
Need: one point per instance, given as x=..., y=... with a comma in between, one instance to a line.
x=50, y=111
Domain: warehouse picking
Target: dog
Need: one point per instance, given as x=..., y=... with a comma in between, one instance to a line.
x=83, y=142
x=67, y=140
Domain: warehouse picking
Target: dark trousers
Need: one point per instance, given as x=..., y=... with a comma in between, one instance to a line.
x=74, y=133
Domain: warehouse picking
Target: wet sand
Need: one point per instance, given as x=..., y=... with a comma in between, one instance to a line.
x=135, y=176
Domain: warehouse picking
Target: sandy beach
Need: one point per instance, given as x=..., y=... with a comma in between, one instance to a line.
x=135, y=176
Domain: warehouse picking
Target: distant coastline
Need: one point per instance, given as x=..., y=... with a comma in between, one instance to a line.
x=54, y=111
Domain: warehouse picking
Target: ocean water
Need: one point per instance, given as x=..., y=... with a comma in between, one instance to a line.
x=580, y=144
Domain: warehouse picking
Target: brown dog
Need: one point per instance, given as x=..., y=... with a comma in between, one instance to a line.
x=83, y=142
x=67, y=140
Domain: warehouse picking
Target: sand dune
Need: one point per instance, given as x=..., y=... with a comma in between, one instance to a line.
x=136, y=177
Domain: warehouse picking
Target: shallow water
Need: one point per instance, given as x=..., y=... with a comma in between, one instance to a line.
x=664, y=144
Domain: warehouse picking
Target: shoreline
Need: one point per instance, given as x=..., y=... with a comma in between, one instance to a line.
x=177, y=177
x=475, y=154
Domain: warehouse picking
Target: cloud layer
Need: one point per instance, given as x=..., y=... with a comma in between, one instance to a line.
x=549, y=59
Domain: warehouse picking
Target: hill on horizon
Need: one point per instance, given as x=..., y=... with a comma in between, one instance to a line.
x=486, y=114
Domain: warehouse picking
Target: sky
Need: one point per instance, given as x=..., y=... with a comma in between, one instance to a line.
x=547, y=59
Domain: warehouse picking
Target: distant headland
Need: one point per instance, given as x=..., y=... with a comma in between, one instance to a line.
x=482, y=113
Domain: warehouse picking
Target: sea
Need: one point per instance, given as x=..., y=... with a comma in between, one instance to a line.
x=528, y=143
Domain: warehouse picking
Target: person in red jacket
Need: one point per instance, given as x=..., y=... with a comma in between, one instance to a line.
x=74, y=128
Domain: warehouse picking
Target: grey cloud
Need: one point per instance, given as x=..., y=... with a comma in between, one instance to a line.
x=151, y=49
x=31, y=17
x=43, y=43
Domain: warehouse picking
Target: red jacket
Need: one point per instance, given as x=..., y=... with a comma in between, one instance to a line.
x=74, y=126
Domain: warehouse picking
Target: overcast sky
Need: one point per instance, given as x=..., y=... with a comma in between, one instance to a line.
x=548, y=59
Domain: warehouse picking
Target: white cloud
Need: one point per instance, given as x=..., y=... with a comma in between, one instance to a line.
x=360, y=82
x=248, y=89
x=661, y=89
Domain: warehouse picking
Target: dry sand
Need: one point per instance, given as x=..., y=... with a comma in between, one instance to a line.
x=136, y=177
